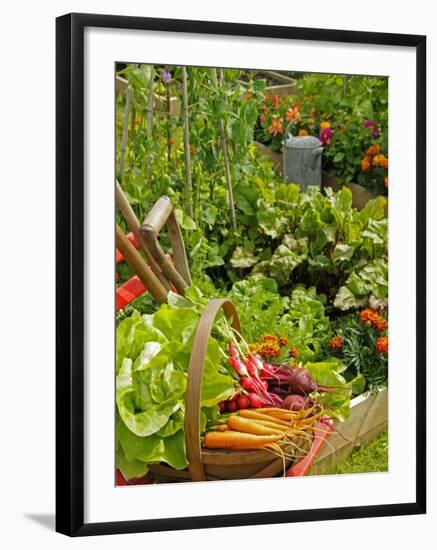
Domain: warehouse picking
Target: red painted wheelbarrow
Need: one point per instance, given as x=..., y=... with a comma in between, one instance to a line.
x=160, y=274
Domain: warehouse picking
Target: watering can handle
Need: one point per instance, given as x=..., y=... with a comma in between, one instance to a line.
x=315, y=153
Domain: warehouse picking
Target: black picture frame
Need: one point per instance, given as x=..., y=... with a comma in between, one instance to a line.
x=70, y=272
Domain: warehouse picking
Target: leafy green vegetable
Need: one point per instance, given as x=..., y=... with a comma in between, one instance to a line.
x=151, y=384
x=329, y=373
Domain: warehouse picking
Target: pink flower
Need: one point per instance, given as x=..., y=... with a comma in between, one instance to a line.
x=326, y=135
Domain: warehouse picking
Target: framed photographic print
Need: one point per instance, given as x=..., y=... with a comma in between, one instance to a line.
x=240, y=233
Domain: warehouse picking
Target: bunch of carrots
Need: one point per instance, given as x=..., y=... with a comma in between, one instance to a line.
x=263, y=428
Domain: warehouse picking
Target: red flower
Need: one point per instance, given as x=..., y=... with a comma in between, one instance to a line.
x=336, y=342
x=379, y=323
x=367, y=315
x=382, y=344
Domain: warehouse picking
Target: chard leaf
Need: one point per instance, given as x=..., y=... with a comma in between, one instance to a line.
x=243, y=258
x=342, y=253
x=345, y=299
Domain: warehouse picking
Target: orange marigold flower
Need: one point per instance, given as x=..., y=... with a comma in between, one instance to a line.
x=336, y=342
x=276, y=127
x=275, y=101
x=265, y=109
x=367, y=315
x=254, y=348
x=380, y=160
x=294, y=352
x=325, y=124
x=302, y=132
x=365, y=165
x=270, y=350
x=283, y=341
x=269, y=338
x=379, y=323
x=382, y=344
x=193, y=149
x=373, y=150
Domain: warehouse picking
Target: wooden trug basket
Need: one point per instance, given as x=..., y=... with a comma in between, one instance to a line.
x=206, y=464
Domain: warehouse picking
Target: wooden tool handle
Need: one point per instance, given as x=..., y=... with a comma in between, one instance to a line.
x=163, y=214
x=134, y=225
x=138, y=265
x=194, y=381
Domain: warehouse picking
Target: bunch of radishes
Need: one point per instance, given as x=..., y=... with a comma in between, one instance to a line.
x=263, y=385
x=266, y=385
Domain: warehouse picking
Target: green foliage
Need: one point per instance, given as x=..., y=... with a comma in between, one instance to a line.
x=300, y=317
x=322, y=241
x=329, y=373
x=360, y=354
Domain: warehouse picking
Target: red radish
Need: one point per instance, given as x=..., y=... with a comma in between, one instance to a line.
x=255, y=400
x=232, y=406
x=247, y=383
x=295, y=402
x=239, y=366
x=222, y=406
x=243, y=402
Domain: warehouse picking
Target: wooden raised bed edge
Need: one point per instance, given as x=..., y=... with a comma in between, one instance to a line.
x=368, y=418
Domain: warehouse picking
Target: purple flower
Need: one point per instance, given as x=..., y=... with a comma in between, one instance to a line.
x=326, y=135
x=369, y=123
x=166, y=76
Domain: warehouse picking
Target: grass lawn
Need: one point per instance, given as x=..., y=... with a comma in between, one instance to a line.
x=372, y=457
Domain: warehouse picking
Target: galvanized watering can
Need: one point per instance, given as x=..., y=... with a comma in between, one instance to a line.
x=303, y=161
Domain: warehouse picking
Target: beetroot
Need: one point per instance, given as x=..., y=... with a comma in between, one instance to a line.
x=232, y=406
x=301, y=382
x=295, y=402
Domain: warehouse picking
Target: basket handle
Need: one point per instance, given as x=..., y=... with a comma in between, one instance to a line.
x=194, y=381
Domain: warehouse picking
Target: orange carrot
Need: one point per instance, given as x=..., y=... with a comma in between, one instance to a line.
x=238, y=440
x=239, y=424
x=255, y=415
x=284, y=414
x=222, y=428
